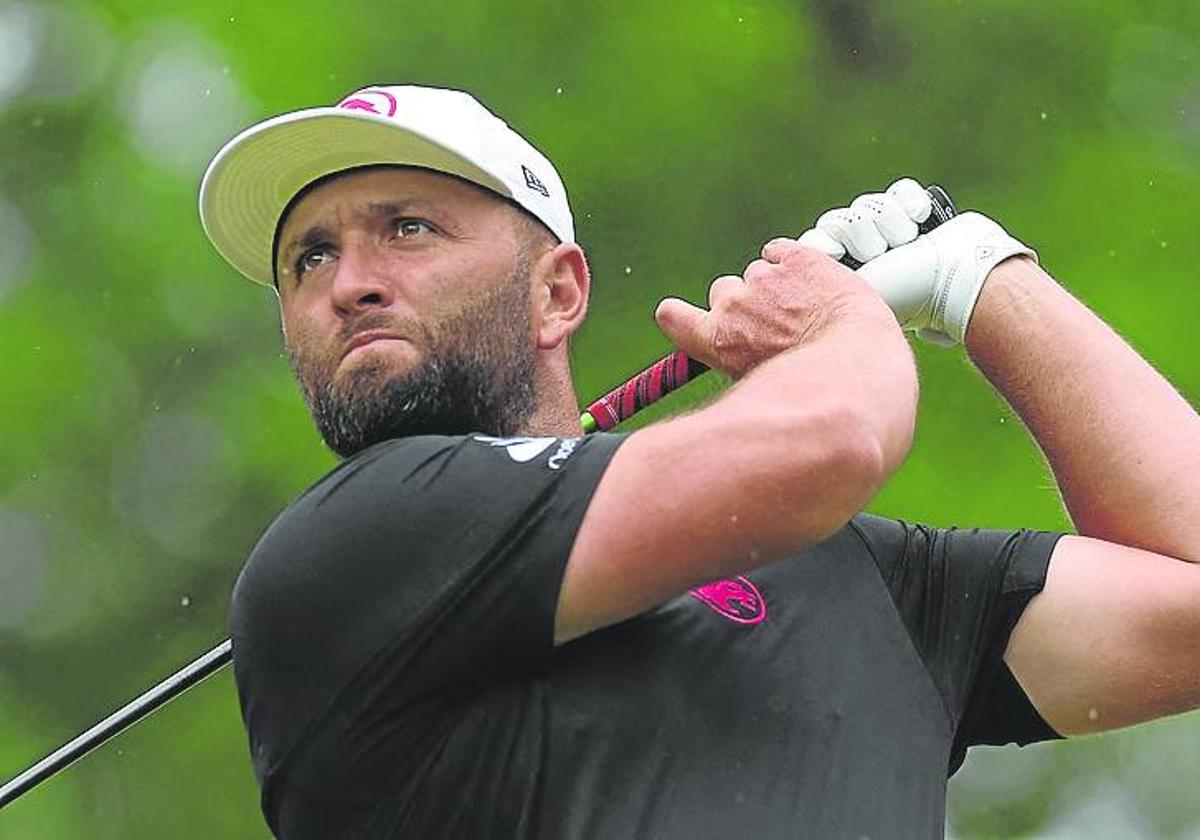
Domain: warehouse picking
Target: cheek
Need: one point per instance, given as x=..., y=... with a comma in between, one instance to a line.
x=303, y=336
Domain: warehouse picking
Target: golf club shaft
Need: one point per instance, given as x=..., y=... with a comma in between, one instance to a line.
x=118, y=721
x=649, y=386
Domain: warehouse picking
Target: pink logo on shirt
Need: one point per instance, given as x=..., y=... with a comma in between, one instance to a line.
x=737, y=599
x=376, y=101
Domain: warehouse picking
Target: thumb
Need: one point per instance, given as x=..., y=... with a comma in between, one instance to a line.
x=686, y=326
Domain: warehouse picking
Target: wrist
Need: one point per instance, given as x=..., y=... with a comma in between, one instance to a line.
x=1002, y=299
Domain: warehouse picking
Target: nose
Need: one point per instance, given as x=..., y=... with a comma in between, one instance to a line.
x=361, y=281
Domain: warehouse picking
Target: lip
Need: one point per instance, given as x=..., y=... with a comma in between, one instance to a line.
x=367, y=337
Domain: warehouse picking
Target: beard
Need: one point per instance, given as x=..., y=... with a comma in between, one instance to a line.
x=477, y=374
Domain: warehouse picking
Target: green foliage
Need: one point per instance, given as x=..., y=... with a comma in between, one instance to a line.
x=151, y=427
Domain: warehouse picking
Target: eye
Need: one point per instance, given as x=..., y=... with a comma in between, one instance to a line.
x=314, y=257
x=406, y=227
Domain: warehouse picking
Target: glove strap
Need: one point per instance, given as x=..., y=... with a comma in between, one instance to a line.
x=956, y=299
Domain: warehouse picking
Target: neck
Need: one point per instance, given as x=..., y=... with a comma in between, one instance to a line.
x=557, y=412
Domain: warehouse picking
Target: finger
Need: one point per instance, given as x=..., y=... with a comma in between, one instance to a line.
x=756, y=270
x=889, y=216
x=723, y=288
x=778, y=248
x=855, y=230
x=685, y=325
x=820, y=240
x=913, y=198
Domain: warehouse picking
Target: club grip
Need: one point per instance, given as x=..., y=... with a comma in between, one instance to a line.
x=649, y=386
x=677, y=368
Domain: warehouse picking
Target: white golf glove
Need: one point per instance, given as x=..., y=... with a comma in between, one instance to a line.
x=932, y=281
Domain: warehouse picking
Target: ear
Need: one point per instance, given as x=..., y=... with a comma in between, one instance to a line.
x=561, y=286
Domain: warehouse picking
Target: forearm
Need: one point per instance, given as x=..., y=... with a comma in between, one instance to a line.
x=863, y=366
x=1123, y=444
x=860, y=370
x=821, y=413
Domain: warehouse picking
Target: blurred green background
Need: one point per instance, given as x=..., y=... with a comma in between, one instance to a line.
x=149, y=422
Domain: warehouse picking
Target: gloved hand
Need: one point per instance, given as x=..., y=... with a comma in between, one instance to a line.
x=931, y=282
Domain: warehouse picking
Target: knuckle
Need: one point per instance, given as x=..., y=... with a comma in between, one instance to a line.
x=835, y=218
x=778, y=247
x=756, y=269
x=804, y=256
x=870, y=204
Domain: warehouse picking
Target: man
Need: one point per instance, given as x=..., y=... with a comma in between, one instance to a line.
x=689, y=631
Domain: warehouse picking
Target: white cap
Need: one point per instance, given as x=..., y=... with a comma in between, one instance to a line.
x=253, y=177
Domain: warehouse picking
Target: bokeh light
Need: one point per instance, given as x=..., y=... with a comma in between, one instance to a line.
x=18, y=48
x=23, y=561
x=180, y=101
x=16, y=245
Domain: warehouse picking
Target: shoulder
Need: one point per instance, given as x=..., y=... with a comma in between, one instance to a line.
x=423, y=493
x=431, y=468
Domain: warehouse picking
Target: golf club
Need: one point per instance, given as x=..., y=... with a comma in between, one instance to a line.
x=647, y=387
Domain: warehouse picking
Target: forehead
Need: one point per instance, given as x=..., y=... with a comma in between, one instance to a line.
x=358, y=189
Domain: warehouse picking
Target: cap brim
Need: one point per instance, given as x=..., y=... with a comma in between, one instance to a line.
x=252, y=179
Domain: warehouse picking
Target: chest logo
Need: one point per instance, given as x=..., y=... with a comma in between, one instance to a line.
x=521, y=449
x=737, y=599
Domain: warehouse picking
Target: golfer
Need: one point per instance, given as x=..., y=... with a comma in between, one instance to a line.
x=483, y=624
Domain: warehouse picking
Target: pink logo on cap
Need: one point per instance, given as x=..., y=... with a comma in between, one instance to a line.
x=738, y=599
x=376, y=101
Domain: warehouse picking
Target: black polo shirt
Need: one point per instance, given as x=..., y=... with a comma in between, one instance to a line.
x=393, y=649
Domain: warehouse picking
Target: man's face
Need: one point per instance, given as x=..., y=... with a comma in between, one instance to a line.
x=405, y=298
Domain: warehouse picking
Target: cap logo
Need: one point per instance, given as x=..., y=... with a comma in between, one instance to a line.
x=533, y=182
x=376, y=101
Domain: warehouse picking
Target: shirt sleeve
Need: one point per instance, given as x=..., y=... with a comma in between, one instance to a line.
x=415, y=570
x=959, y=593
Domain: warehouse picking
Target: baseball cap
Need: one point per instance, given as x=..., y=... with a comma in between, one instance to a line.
x=252, y=178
